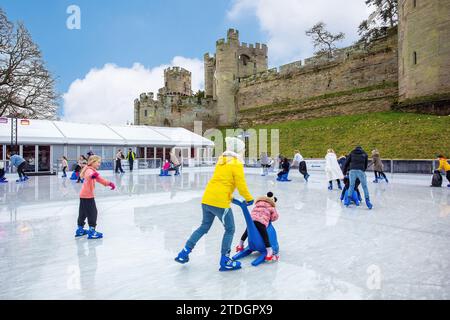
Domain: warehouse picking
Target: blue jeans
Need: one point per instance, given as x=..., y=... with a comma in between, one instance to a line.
x=209, y=213
x=358, y=174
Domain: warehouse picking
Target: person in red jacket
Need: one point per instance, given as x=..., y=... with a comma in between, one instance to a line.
x=87, y=207
x=263, y=213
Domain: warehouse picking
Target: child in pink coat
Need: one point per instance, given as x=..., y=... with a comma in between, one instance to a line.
x=263, y=213
x=87, y=208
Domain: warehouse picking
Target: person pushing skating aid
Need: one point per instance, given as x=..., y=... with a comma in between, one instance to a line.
x=228, y=175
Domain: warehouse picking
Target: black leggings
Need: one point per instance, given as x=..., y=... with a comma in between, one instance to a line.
x=379, y=174
x=302, y=168
x=88, y=210
x=448, y=175
x=262, y=230
x=20, y=169
x=119, y=166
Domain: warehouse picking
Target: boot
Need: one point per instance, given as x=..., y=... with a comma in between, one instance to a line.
x=330, y=186
x=306, y=177
x=92, y=234
x=227, y=264
x=183, y=256
x=81, y=232
x=376, y=180
x=339, y=184
x=369, y=205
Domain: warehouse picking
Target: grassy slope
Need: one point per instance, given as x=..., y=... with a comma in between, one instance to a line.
x=395, y=134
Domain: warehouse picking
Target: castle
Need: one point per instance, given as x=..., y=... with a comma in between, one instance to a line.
x=408, y=69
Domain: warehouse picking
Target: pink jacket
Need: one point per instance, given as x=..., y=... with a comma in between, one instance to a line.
x=166, y=166
x=264, y=212
x=87, y=189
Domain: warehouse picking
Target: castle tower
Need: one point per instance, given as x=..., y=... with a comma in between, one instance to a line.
x=424, y=52
x=177, y=81
x=232, y=61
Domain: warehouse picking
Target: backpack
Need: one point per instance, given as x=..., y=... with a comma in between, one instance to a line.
x=436, y=180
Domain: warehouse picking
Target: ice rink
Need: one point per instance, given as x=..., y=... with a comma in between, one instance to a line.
x=398, y=250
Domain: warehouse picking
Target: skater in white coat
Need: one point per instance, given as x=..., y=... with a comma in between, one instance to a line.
x=332, y=169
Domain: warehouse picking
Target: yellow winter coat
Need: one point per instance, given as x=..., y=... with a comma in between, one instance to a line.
x=443, y=165
x=228, y=175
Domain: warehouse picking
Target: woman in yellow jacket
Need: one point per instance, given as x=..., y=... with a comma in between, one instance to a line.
x=443, y=165
x=228, y=175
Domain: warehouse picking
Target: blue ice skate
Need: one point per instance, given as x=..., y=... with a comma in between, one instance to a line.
x=92, y=234
x=255, y=241
x=25, y=178
x=183, y=256
x=283, y=177
x=306, y=177
x=80, y=232
x=330, y=186
x=21, y=180
x=368, y=203
x=227, y=264
x=3, y=180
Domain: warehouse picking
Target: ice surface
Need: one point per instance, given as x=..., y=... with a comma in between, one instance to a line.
x=398, y=250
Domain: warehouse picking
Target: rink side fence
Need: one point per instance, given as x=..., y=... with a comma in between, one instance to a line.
x=417, y=166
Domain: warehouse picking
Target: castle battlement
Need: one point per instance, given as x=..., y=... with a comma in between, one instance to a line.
x=176, y=70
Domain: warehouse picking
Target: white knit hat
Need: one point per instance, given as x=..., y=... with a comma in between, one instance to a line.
x=234, y=145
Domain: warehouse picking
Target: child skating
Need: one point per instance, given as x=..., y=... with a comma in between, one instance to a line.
x=377, y=166
x=228, y=175
x=64, y=165
x=87, y=207
x=264, y=212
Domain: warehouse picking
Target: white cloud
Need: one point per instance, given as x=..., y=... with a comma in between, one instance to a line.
x=285, y=22
x=107, y=95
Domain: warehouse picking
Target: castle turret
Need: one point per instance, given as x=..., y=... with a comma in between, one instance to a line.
x=424, y=54
x=210, y=63
x=177, y=80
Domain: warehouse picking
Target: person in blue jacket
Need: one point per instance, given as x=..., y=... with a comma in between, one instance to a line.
x=20, y=163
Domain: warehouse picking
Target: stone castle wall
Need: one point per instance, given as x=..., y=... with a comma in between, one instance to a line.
x=351, y=68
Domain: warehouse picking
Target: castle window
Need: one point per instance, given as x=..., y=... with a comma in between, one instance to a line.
x=166, y=84
x=145, y=113
x=415, y=57
x=414, y=3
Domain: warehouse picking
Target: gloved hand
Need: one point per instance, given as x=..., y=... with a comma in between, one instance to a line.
x=94, y=175
x=249, y=203
x=112, y=185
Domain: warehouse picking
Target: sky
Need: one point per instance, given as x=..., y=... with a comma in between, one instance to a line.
x=122, y=47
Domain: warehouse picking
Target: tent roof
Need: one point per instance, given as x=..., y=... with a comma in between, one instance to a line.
x=61, y=132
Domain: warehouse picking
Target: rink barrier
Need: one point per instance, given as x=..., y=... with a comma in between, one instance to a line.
x=420, y=166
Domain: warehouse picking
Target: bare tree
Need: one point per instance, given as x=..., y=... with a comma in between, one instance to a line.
x=26, y=86
x=385, y=16
x=323, y=39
